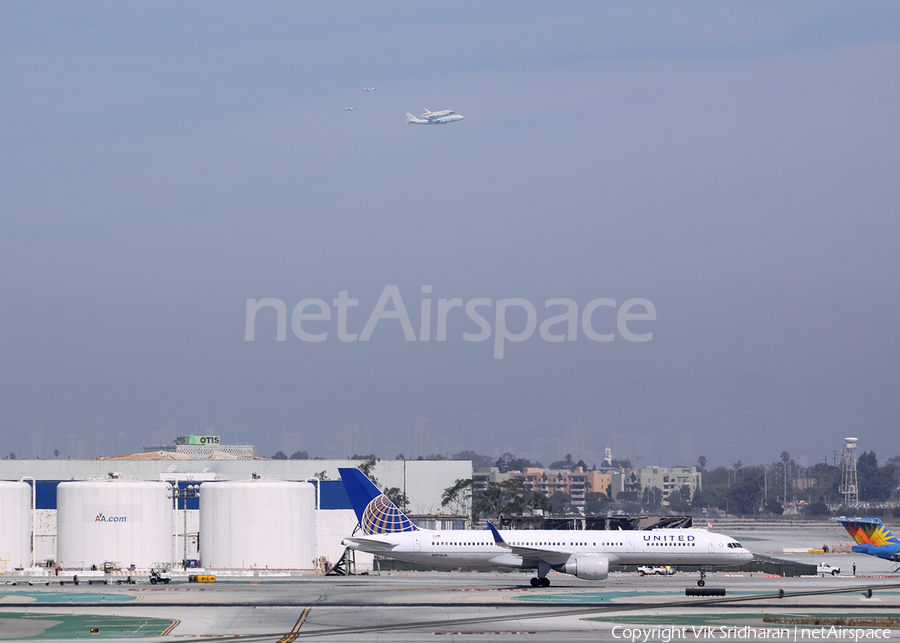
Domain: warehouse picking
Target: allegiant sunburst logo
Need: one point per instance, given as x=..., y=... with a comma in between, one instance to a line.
x=868, y=533
x=382, y=517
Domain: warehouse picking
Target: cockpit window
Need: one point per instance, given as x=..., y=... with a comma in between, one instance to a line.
x=735, y=545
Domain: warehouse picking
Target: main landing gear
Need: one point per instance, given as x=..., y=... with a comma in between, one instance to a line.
x=543, y=568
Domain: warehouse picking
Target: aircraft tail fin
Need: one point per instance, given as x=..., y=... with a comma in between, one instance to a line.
x=869, y=531
x=376, y=514
x=498, y=539
x=410, y=118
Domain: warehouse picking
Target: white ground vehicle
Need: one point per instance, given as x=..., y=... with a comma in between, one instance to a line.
x=825, y=568
x=159, y=573
x=655, y=570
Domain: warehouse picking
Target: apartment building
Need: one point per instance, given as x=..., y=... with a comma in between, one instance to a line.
x=550, y=481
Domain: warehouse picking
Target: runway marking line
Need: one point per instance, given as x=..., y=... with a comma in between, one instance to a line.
x=473, y=633
x=292, y=635
x=169, y=629
x=167, y=589
x=501, y=589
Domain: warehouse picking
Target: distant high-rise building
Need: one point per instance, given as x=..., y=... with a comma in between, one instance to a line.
x=345, y=437
x=419, y=437
x=686, y=448
x=646, y=447
x=546, y=449
x=622, y=445
x=121, y=443
x=37, y=441
x=362, y=440
x=290, y=443
x=573, y=442
x=70, y=447
x=97, y=441
x=440, y=444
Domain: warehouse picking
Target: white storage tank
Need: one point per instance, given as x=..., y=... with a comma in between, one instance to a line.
x=122, y=521
x=257, y=524
x=15, y=525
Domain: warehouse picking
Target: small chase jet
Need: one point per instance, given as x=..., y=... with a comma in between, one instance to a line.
x=386, y=531
x=872, y=538
x=441, y=117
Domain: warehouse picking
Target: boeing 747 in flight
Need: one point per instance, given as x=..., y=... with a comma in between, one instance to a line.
x=386, y=531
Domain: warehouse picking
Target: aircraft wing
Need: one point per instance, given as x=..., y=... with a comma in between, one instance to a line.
x=370, y=543
x=551, y=556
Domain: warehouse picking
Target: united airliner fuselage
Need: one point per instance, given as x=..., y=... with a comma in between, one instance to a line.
x=387, y=531
x=478, y=549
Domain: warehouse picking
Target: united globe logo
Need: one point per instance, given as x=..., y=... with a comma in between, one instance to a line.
x=382, y=517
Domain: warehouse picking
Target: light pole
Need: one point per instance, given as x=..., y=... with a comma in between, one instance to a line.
x=33, y=512
x=784, y=479
x=318, y=483
x=189, y=492
x=173, y=486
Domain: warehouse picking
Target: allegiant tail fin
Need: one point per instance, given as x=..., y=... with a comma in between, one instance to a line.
x=376, y=514
x=869, y=531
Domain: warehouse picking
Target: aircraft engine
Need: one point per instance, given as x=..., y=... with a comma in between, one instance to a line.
x=587, y=567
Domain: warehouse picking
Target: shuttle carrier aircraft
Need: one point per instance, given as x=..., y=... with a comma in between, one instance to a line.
x=441, y=117
x=585, y=554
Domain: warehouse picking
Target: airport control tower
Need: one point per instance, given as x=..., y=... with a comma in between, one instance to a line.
x=849, y=481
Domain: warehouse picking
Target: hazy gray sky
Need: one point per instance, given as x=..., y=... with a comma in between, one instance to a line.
x=737, y=165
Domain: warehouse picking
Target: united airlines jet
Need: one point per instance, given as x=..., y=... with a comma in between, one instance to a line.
x=386, y=531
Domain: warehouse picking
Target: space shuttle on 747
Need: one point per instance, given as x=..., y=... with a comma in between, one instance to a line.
x=441, y=117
